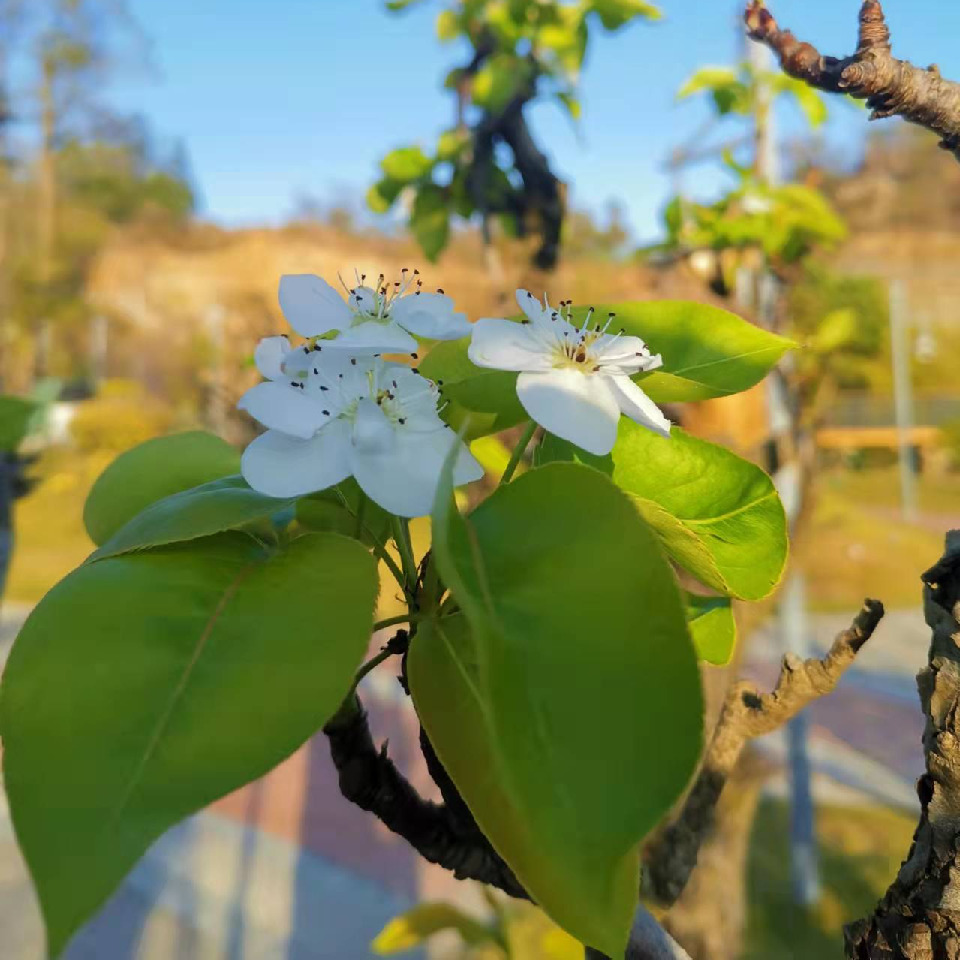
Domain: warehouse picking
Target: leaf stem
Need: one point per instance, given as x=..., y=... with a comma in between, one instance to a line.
x=518, y=452
x=383, y=554
x=400, y=618
x=401, y=535
x=361, y=513
x=373, y=662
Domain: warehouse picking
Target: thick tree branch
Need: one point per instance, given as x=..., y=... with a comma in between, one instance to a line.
x=746, y=714
x=891, y=87
x=369, y=779
x=919, y=918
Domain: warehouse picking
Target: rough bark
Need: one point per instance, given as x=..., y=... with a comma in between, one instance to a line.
x=891, y=87
x=710, y=915
x=440, y=833
x=919, y=917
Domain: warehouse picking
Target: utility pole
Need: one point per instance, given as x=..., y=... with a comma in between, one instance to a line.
x=900, y=352
x=787, y=476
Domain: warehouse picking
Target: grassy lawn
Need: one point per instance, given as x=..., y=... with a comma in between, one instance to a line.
x=849, y=552
x=861, y=849
x=880, y=487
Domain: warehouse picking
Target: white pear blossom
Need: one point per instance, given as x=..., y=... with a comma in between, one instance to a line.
x=371, y=319
x=330, y=416
x=574, y=381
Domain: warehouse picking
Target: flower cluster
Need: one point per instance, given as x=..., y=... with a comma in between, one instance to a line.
x=334, y=408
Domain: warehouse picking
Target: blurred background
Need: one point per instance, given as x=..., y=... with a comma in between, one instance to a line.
x=162, y=164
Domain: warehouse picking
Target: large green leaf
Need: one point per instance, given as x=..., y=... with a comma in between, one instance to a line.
x=198, y=512
x=717, y=515
x=346, y=509
x=152, y=471
x=430, y=220
x=569, y=713
x=712, y=627
x=145, y=686
x=476, y=389
x=406, y=164
x=615, y=13
x=707, y=352
x=15, y=414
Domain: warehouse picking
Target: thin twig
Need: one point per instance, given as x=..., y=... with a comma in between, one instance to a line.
x=891, y=87
x=746, y=714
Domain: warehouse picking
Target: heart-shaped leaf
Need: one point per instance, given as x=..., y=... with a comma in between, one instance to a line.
x=569, y=713
x=152, y=471
x=717, y=515
x=145, y=686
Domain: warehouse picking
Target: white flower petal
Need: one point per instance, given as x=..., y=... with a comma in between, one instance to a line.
x=372, y=431
x=311, y=305
x=638, y=406
x=579, y=407
x=373, y=337
x=504, y=345
x=365, y=300
x=430, y=315
x=404, y=480
x=269, y=355
x=627, y=354
x=282, y=407
x=532, y=307
x=280, y=466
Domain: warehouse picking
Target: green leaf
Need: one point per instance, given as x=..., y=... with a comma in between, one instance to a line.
x=809, y=100
x=406, y=164
x=565, y=702
x=451, y=144
x=616, y=13
x=15, y=414
x=553, y=449
x=143, y=687
x=712, y=627
x=707, y=352
x=412, y=928
x=497, y=81
x=430, y=220
x=150, y=472
x=335, y=511
x=198, y=512
x=571, y=104
x=448, y=26
x=401, y=4
x=383, y=194
x=717, y=515
x=708, y=78
x=474, y=388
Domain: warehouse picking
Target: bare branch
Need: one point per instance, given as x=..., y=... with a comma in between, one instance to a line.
x=746, y=714
x=648, y=941
x=891, y=87
x=369, y=779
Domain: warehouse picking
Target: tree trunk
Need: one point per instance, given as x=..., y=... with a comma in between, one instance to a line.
x=919, y=918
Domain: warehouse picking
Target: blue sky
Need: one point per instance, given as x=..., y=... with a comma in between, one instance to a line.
x=275, y=98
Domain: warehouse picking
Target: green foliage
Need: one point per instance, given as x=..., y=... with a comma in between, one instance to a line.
x=15, y=416
x=413, y=928
x=712, y=627
x=185, y=672
x=521, y=49
x=548, y=676
x=430, y=220
x=345, y=509
x=787, y=222
x=717, y=516
x=150, y=472
x=741, y=89
x=201, y=511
